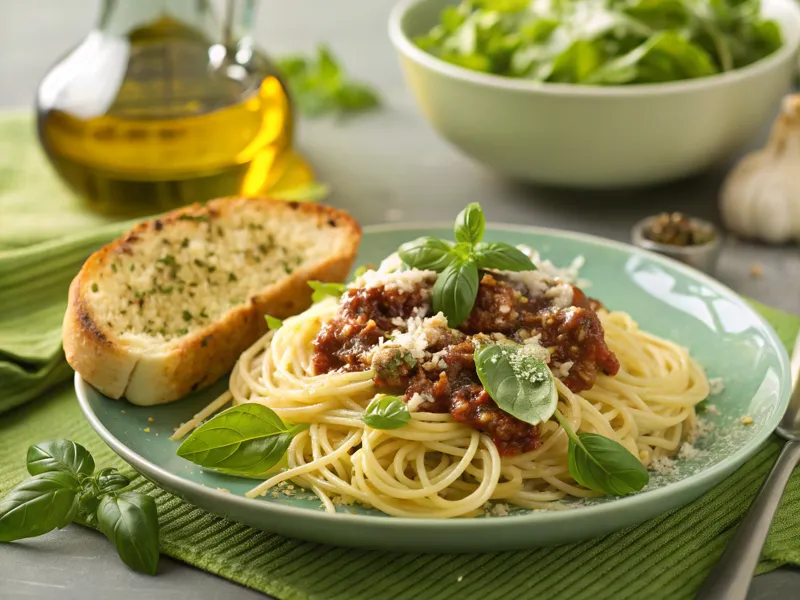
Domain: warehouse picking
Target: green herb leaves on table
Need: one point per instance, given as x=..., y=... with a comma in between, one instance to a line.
x=319, y=85
x=64, y=487
x=130, y=521
x=603, y=42
x=387, y=412
x=246, y=440
x=517, y=381
x=458, y=264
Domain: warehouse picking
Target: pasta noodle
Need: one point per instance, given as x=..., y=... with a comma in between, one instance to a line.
x=436, y=467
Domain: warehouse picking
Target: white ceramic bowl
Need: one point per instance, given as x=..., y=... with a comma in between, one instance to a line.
x=594, y=137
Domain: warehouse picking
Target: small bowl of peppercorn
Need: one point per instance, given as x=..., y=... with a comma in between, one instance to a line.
x=692, y=241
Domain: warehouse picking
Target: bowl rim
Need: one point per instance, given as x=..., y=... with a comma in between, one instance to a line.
x=180, y=485
x=405, y=46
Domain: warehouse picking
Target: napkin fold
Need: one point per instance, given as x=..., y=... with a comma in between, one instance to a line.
x=667, y=557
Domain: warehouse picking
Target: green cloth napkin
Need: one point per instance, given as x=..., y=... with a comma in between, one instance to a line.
x=667, y=557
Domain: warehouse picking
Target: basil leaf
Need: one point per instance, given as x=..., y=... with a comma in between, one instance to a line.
x=387, y=412
x=319, y=85
x=273, y=323
x=502, y=256
x=470, y=224
x=40, y=504
x=520, y=384
x=606, y=466
x=455, y=291
x=59, y=455
x=323, y=289
x=246, y=440
x=110, y=480
x=427, y=253
x=130, y=521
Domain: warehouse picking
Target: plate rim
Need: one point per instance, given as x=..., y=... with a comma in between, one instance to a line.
x=632, y=503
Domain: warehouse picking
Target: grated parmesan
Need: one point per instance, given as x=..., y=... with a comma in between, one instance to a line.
x=421, y=334
x=561, y=370
x=663, y=464
x=418, y=400
x=688, y=451
x=401, y=281
x=715, y=386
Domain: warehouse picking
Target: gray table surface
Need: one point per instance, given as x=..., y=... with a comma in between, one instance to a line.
x=384, y=166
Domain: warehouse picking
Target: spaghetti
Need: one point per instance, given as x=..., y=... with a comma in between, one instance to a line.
x=436, y=466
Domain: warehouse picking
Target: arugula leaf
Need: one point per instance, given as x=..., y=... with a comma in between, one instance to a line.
x=387, y=412
x=324, y=289
x=601, y=464
x=502, y=256
x=470, y=224
x=603, y=42
x=59, y=455
x=39, y=504
x=320, y=86
x=520, y=384
x=130, y=521
x=246, y=440
x=273, y=323
x=455, y=291
x=427, y=253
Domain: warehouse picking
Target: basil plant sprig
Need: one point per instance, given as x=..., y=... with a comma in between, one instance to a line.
x=523, y=386
x=458, y=263
x=64, y=487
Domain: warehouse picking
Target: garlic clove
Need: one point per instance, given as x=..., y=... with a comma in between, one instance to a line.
x=760, y=198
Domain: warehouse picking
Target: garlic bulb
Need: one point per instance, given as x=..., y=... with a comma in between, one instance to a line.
x=760, y=198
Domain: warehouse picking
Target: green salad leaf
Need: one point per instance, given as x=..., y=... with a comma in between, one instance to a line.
x=603, y=42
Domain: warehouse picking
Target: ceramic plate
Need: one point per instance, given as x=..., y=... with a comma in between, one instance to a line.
x=722, y=331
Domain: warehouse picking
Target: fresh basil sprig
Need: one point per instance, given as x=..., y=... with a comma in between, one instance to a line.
x=130, y=521
x=59, y=455
x=387, y=412
x=64, y=487
x=246, y=440
x=323, y=289
x=459, y=263
x=601, y=464
x=520, y=384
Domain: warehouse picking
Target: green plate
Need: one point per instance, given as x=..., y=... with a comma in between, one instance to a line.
x=722, y=331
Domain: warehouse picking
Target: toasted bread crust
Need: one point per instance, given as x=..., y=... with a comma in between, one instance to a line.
x=174, y=369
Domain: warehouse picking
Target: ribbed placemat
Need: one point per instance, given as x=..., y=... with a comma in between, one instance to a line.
x=667, y=557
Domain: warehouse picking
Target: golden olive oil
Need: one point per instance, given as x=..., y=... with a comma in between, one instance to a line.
x=163, y=117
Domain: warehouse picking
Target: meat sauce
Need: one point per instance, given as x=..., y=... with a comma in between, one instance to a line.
x=446, y=377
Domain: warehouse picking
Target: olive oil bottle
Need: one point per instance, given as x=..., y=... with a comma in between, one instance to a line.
x=165, y=103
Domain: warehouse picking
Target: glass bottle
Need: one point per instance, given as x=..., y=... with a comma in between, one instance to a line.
x=168, y=102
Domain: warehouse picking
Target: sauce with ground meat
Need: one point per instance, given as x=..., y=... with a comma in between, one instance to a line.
x=447, y=379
